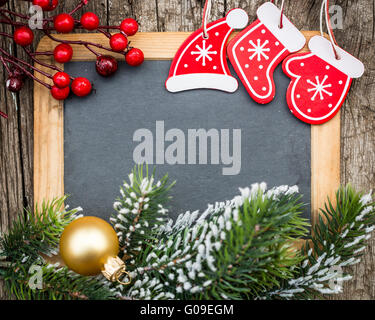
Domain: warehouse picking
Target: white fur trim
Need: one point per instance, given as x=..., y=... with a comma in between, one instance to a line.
x=237, y=19
x=201, y=81
x=288, y=35
x=347, y=64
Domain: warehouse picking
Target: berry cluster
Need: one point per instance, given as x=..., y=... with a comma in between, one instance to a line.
x=23, y=36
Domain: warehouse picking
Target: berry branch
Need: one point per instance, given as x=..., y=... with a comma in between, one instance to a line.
x=23, y=36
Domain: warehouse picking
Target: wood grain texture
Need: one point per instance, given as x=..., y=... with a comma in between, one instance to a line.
x=48, y=144
x=325, y=164
x=357, y=116
x=155, y=45
x=16, y=138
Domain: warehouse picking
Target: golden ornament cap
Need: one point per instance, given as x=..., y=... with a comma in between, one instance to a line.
x=114, y=269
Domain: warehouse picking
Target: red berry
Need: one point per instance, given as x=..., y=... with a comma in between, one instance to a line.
x=60, y=93
x=118, y=42
x=106, y=65
x=41, y=3
x=129, y=26
x=46, y=5
x=17, y=72
x=63, y=53
x=64, y=23
x=90, y=21
x=81, y=86
x=23, y=36
x=134, y=57
x=52, y=6
x=14, y=84
x=61, y=79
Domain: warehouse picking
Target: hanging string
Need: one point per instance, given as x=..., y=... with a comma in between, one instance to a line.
x=3, y=115
x=325, y=10
x=206, y=15
x=281, y=13
x=207, y=12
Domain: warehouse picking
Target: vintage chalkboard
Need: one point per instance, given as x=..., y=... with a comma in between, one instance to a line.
x=99, y=146
x=86, y=148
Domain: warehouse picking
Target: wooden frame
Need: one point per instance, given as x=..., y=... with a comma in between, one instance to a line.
x=49, y=123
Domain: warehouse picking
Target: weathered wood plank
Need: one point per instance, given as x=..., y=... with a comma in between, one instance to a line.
x=25, y=104
x=15, y=144
x=358, y=128
x=100, y=7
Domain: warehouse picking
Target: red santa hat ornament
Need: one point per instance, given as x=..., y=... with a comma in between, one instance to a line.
x=200, y=62
x=320, y=79
x=257, y=50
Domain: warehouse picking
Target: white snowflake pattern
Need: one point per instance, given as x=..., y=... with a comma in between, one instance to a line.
x=203, y=53
x=319, y=88
x=259, y=50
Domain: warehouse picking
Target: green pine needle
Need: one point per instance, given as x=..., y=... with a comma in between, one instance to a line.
x=239, y=249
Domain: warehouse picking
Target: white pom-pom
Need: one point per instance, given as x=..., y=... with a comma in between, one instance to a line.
x=237, y=19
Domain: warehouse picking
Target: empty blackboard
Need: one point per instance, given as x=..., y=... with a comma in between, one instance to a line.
x=85, y=147
x=99, y=134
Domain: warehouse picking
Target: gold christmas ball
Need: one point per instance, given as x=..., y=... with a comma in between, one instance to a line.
x=86, y=245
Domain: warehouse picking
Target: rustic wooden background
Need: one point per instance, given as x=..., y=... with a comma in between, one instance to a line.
x=358, y=116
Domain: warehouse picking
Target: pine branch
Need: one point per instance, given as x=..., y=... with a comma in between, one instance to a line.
x=37, y=232
x=339, y=239
x=238, y=249
x=233, y=250
x=140, y=211
x=57, y=283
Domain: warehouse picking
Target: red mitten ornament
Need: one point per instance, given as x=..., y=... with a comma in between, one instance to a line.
x=320, y=82
x=200, y=62
x=256, y=51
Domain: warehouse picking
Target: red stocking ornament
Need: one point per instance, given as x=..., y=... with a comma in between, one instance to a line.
x=200, y=62
x=256, y=51
x=321, y=79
